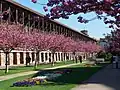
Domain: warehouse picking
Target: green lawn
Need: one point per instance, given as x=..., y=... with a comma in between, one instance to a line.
x=31, y=68
x=65, y=82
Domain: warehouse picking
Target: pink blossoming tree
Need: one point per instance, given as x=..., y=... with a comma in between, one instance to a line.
x=113, y=41
x=11, y=37
x=38, y=41
x=55, y=44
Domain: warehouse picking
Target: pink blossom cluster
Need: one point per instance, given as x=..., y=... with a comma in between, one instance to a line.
x=11, y=37
x=14, y=37
x=103, y=9
x=114, y=42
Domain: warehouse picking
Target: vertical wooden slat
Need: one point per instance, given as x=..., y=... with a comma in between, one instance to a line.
x=29, y=23
x=1, y=11
x=43, y=24
x=59, y=30
x=39, y=24
x=18, y=57
x=11, y=58
x=9, y=18
x=24, y=57
x=40, y=61
x=0, y=58
x=53, y=27
x=50, y=26
x=16, y=15
x=23, y=17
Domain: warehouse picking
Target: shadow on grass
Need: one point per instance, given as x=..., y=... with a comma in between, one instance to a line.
x=76, y=76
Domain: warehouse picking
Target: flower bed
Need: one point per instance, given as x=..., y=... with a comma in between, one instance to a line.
x=30, y=82
x=42, y=78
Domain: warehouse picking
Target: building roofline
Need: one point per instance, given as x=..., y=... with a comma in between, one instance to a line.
x=24, y=7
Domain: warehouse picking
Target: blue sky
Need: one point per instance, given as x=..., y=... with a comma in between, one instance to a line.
x=96, y=28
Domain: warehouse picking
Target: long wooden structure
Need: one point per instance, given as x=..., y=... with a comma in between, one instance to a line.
x=13, y=12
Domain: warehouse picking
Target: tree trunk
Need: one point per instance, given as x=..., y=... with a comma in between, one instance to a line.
x=64, y=58
x=6, y=62
x=53, y=63
x=35, y=66
x=36, y=59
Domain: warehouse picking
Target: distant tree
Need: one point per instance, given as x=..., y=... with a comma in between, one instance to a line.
x=38, y=42
x=92, y=47
x=56, y=44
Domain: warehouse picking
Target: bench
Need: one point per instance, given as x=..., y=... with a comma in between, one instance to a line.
x=99, y=60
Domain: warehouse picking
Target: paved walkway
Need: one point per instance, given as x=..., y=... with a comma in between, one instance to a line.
x=105, y=79
x=6, y=77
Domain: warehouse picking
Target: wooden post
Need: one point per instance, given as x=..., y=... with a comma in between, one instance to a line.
x=2, y=58
x=50, y=27
x=46, y=28
x=24, y=55
x=11, y=58
x=60, y=57
x=23, y=16
x=43, y=24
x=30, y=54
x=55, y=59
x=70, y=58
x=1, y=11
x=18, y=57
x=40, y=61
x=54, y=27
x=28, y=23
x=9, y=18
x=48, y=57
x=39, y=24
x=16, y=16
x=60, y=30
x=44, y=57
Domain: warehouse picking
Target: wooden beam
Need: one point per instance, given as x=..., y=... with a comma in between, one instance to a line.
x=23, y=17
x=43, y=24
x=1, y=11
x=29, y=23
x=50, y=26
x=9, y=17
x=39, y=25
x=16, y=20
